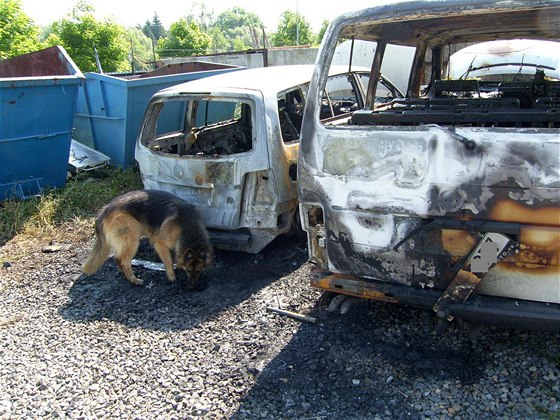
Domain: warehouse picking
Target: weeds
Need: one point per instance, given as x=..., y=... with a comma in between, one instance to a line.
x=75, y=204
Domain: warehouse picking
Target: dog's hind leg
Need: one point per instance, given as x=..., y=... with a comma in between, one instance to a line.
x=125, y=266
x=125, y=240
x=124, y=260
x=165, y=256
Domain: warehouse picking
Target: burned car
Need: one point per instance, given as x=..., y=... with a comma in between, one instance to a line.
x=447, y=199
x=229, y=144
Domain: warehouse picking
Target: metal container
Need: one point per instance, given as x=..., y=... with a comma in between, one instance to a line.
x=37, y=100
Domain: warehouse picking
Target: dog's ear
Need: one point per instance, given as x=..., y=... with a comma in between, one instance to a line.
x=205, y=254
x=189, y=255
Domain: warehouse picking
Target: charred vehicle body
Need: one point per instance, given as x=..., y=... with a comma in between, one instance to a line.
x=447, y=199
x=229, y=144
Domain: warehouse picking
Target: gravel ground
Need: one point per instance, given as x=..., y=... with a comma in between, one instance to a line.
x=97, y=347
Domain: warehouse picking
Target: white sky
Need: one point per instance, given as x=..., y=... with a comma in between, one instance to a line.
x=132, y=12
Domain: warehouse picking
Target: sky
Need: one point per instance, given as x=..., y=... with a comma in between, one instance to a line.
x=133, y=12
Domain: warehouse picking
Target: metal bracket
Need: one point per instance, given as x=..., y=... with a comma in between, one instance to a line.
x=490, y=249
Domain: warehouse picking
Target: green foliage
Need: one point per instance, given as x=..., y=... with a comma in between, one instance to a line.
x=289, y=27
x=44, y=33
x=18, y=34
x=185, y=39
x=141, y=50
x=80, y=31
x=154, y=29
x=88, y=191
x=218, y=41
x=235, y=24
x=322, y=30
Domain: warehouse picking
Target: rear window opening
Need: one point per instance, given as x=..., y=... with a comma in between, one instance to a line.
x=199, y=127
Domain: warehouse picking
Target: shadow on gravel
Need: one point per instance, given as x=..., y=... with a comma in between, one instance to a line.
x=378, y=360
x=164, y=306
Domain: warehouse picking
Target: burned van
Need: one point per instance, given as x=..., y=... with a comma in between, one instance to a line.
x=447, y=199
x=229, y=144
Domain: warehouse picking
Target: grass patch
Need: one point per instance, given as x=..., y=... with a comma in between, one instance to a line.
x=76, y=205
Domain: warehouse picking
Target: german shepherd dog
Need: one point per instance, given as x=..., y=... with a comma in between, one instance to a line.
x=172, y=225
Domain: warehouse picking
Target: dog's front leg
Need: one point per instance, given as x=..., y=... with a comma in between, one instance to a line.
x=165, y=256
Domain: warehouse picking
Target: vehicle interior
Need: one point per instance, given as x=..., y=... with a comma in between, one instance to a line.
x=199, y=128
x=510, y=100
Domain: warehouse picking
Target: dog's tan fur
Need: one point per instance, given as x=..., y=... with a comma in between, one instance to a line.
x=173, y=227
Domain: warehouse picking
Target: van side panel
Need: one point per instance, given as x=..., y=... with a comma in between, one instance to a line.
x=379, y=186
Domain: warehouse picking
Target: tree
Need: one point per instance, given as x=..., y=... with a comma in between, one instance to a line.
x=293, y=29
x=141, y=50
x=202, y=16
x=322, y=30
x=185, y=38
x=218, y=41
x=18, y=34
x=236, y=24
x=154, y=29
x=80, y=32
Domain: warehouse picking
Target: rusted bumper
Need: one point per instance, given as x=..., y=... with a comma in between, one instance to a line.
x=478, y=309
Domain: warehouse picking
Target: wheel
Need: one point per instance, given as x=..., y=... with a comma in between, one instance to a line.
x=323, y=304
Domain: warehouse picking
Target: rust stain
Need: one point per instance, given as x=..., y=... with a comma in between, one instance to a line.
x=458, y=242
x=352, y=286
x=530, y=269
x=221, y=173
x=539, y=240
x=538, y=251
x=542, y=237
x=285, y=171
x=509, y=211
x=539, y=248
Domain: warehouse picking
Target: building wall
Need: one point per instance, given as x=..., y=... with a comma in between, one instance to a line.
x=254, y=58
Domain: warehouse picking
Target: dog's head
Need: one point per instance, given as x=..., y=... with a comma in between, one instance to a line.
x=194, y=261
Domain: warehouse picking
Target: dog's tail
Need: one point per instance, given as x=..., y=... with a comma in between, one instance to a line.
x=99, y=253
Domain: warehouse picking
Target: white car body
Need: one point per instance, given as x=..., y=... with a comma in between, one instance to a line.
x=231, y=145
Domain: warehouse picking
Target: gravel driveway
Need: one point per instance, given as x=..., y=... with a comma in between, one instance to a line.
x=97, y=347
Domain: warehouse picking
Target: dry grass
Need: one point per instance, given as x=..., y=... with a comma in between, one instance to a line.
x=65, y=214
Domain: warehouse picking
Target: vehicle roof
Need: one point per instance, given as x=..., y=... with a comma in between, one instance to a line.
x=453, y=21
x=265, y=79
x=519, y=56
